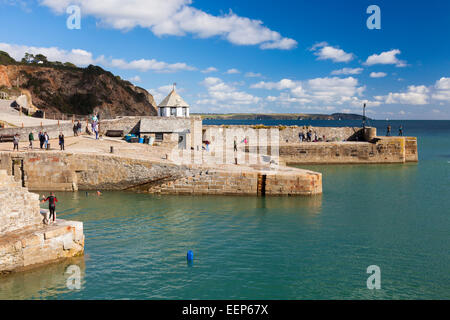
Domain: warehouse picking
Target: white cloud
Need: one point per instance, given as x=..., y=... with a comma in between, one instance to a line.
x=442, y=89
x=378, y=74
x=324, y=52
x=209, y=70
x=83, y=58
x=161, y=92
x=225, y=95
x=232, y=71
x=387, y=57
x=146, y=65
x=283, y=44
x=347, y=71
x=253, y=75
x=317, y=93
x=135, y=79
x=415, y=95
x=177, y=17
x=280, y=85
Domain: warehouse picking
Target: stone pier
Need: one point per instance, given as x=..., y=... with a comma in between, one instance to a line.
x=25, y=242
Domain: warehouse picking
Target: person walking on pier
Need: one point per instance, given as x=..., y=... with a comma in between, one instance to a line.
x=388, y=131
x=61, y=141
x=96, y=131
x=31, y=139
x=400, y=131
x=51, y=206
x=41, y=139
x=46, y=139
x=16, y=142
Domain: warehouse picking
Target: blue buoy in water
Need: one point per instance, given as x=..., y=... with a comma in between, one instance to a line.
x=190, y=255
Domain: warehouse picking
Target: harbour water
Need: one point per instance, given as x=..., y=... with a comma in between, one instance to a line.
x=394, y=216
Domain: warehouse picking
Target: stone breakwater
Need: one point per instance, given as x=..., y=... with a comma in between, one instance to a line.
x=284, y=181
x=25, y=242
x=381, y=150
x=58, y=171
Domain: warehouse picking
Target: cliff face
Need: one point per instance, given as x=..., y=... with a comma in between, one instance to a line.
x=78, y=90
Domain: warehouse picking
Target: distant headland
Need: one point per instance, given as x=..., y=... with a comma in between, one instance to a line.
x=280, y=116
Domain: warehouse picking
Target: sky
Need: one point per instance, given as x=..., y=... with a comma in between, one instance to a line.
x=252, y=56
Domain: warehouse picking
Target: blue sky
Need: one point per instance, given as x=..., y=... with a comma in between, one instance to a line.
x=254, y=56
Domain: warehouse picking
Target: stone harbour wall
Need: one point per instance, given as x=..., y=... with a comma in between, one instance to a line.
x=37, y=245
x=53, y=131
x=384, y=150
x=411, y=154
x=18, y=207
x=69, y=172
x=258, y=182
x=25, y=241
x=288, y=134
x=55, y=171
x=291, y=134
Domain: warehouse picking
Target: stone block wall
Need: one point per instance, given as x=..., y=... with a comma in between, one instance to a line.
x=291, y=184
x=290, y=134
x=55, y=171
x=18, y=207
x=222, y=182
x=33, y=246
x=411, y=153
x=385, y=150
x=53, y=131
x=24, y=240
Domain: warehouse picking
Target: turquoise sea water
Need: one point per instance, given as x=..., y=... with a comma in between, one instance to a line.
x=394, y=216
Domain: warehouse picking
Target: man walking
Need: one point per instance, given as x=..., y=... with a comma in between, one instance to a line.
x=31, y=138
x=16, y=142
x=61, y=141
x=388, y=132
x=400, y=131
x=51, y=206
x=46, y=139
x=41, y=139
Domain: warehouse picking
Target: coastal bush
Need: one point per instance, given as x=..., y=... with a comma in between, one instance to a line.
x=5, y=58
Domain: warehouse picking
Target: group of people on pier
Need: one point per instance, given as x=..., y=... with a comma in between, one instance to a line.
x=388, y=131
x=44, y=138
x=308, y=137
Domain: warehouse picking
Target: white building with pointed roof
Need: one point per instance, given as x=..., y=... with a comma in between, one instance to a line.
x=173, y=106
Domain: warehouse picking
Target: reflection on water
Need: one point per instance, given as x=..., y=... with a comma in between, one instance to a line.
x=46, y=282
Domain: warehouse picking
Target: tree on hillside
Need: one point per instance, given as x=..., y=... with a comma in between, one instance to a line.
x=70, y=65
x=40, y=58
x=28, y=58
